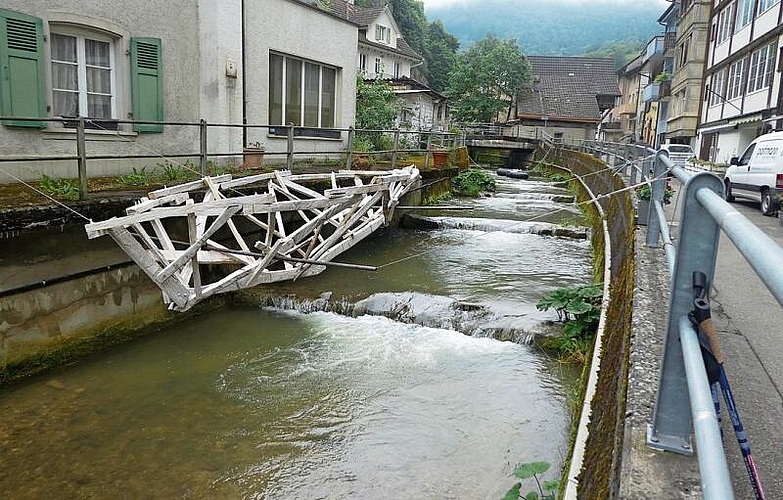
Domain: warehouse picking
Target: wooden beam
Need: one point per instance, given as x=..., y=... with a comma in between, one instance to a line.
x=187, y=187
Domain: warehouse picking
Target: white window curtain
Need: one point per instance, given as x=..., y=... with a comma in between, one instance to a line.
x=81, y=76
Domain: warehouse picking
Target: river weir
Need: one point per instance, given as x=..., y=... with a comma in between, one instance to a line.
x=350, y=384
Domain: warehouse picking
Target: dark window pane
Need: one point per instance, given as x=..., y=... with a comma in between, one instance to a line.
x=293, y=90
x=312, y=78
x=275, y=89
x=327, y=97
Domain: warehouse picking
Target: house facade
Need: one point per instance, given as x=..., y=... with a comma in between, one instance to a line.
x=384, y=54
x=742, y=84
x=568, y=97
x=686, y=85
x=223, y=61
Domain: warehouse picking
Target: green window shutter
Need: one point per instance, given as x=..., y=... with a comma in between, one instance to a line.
x=22, y=83
x=147, y=83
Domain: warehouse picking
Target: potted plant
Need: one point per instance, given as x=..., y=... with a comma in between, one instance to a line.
x=644, y=193
x=253, y=155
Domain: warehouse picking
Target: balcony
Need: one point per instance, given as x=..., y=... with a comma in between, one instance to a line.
x=613, y=125
x=654, y=48
x=670, y=41
x=652, y=92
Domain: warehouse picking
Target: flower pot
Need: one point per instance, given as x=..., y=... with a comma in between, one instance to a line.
x=439, y=159
x=253, y=157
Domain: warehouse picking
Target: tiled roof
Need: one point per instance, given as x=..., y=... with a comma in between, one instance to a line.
x=406, y=49
x=567, y=87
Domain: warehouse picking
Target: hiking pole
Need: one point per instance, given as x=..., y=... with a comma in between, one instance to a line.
x=713, y=362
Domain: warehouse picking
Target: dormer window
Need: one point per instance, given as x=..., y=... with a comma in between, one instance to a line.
x=382, y=33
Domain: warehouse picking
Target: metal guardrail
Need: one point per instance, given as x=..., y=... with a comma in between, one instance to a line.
x=705, y=214
x=425, y=141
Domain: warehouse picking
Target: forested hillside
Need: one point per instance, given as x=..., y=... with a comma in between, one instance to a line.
x=554, y=27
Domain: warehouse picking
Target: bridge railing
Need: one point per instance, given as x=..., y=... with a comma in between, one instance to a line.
x=185, y=145
x=705, y=214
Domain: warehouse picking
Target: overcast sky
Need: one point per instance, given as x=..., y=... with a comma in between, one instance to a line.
x=441, y=3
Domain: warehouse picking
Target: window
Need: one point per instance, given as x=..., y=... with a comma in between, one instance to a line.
x=745, y=159
x=363, y=62
x=82, y=76
x=382, y=34
x=82, y=63
x=378, y=66
x=762, y=67
x=396, y=70
x=744, y=13
x=301, y=93
x=724, y=23
x=765, y=5
x=684, y=50
x=735, y=79
x=718, y=87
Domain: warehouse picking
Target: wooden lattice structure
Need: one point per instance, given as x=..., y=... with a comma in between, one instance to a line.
x=294, y=230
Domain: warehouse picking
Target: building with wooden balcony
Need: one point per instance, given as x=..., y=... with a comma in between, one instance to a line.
x=742, y=96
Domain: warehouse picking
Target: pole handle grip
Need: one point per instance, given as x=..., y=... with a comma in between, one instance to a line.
x=712, y=338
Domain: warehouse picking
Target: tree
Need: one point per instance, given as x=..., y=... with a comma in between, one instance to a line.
x=376, y=109
x=487, y=78
x=440, y=55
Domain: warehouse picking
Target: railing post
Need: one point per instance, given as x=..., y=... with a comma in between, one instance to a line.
x=427, y=155
x=289, y=160
x=697, y=251
x=81, y=153
x=635, y=167
x=349, y=156
x=658, y=187
x=202, y=128
x=394, y=149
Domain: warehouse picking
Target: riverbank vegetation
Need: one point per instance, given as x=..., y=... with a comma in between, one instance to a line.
x=579, y=309
x=472, y=183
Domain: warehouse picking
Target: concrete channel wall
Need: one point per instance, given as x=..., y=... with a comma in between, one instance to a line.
x=600, y=461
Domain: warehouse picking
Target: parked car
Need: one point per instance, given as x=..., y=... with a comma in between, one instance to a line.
x=679, y=154
x=758, y=174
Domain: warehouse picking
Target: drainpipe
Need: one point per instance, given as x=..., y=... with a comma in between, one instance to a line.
x=244, y=76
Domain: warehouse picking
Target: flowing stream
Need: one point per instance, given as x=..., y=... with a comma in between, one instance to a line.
x=389, y=386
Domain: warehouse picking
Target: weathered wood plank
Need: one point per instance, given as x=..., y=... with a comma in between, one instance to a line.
x=174, y=290
x=187, y=187
x=252, y=179
x=198, y=243
x=212, y=208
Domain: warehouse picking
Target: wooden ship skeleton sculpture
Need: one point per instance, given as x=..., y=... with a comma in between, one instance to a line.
x=294, y=230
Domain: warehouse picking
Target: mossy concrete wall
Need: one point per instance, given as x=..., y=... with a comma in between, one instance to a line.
x=55, y=324
x=599, y=476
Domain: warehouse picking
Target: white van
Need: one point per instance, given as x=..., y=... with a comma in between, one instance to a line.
x=758, y=174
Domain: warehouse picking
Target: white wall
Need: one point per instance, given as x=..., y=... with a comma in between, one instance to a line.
x=121, y=19
x=220, y=37
x=293, y=29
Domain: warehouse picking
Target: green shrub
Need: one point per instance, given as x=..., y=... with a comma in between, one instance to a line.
x=60, y=188
x=579, y=308
x=135, y=178
x=173, y=173
x=546, y=490
x=472, y=182
x=362, y=144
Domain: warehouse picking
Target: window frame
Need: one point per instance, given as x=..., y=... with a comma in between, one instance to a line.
x=762, y=70
x=724, y=24
x=383, y=34
x=744, y=14
x=717, y=87
x=734, y=87
x=301, y=129
x=83, y=33
x=765, y=5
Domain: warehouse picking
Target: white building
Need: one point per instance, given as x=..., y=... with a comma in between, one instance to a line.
x=384, y=54
x=742, y=86
x=224, y=61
